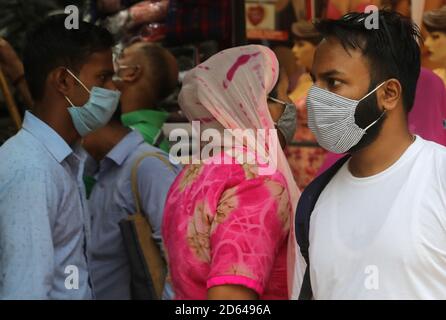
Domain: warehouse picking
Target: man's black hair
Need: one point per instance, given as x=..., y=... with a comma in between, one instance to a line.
x=392, y=50
x=50, y=45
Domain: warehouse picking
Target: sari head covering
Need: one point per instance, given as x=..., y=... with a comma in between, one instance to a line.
x=229, y=91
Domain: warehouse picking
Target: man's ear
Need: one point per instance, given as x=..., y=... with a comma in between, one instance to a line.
x=133, y=75
x=62, y=81
x=390, y=94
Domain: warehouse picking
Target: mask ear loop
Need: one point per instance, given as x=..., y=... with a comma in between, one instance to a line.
x=77, y=79
x=373, y=91
x=374, y=122
x=277, y=101
x=382, y=114
x=80, y=82
x=69, y=101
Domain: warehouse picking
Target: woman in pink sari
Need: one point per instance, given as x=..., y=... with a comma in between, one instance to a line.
x=228, y=225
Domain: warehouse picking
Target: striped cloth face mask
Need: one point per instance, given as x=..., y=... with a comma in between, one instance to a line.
x=331, y=118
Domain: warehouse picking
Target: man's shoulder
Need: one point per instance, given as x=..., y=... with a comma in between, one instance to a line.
x=435, y=146
x=321, y=181
x=26, y=162
x=435, y=156
x=147, y=148
x=23, y=151
x=434, y=150
x=153, y=161
x=154, y=156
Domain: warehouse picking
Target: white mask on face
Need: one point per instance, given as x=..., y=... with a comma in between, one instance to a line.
x=331, y=118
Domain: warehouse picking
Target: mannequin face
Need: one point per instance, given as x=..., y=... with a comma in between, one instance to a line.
x=436, y=44
x=304, y=52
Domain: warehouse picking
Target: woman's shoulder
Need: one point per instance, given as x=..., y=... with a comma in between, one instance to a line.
x=441, y=72
x=228, y=169
x=247, y=166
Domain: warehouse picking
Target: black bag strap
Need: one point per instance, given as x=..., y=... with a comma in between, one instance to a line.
x=304, y=210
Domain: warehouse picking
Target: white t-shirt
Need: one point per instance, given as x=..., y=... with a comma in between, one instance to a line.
x=384, y=236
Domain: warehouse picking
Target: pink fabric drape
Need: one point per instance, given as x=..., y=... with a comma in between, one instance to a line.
x=229, y=91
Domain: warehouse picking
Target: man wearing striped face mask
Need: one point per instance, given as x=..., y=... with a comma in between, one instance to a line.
x=373, y=225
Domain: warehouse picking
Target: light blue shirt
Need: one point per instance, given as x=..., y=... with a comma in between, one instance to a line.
x=43, y=224
x=112, y=200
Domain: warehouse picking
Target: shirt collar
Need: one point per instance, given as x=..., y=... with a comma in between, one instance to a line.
x=125, y=147
x=154, y=118
x=50, y=139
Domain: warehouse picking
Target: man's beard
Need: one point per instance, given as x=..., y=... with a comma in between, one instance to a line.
x=366, y=113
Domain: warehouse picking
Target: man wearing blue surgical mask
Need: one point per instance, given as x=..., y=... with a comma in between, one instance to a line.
x=373, y=225
x=44, y=222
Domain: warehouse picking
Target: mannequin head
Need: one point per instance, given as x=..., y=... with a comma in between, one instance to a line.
x=435, y=22
x=306, y=39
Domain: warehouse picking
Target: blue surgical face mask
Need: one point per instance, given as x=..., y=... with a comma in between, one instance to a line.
x=98, y=110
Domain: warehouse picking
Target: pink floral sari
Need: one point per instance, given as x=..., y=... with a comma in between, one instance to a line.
x=227, y=223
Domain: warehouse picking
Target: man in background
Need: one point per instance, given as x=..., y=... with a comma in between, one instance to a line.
x=115, y=149
x=147, y=74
